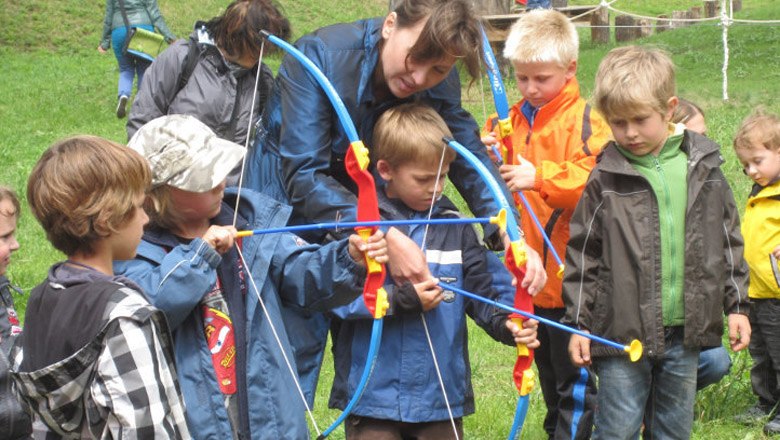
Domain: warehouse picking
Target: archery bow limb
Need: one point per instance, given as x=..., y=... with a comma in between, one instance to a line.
x=504, y=132
x=515, y=259
x=356, y=163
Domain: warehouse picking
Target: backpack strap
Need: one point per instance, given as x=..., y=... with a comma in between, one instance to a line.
x=189, y=63
x=587, y=130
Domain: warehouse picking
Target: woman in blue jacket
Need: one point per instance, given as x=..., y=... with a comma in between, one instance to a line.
x=373, y=64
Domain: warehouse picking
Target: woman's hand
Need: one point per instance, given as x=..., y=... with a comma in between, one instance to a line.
x=101, y=50
x=407, y=261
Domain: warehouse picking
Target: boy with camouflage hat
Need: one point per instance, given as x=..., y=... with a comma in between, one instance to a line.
x=231, y=347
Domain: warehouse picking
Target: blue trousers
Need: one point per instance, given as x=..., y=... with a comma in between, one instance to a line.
x=714, y=363
x=539, y=4
x=129, y=66
x=659, y=391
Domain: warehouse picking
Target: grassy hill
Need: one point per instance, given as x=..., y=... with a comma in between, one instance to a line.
x=54, y=83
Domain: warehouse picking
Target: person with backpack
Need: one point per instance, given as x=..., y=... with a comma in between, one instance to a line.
x=213, y=74
x=120, y=15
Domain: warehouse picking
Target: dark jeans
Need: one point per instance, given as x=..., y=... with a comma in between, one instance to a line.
x=561, y=382
x=366, y=428
x=765, y=350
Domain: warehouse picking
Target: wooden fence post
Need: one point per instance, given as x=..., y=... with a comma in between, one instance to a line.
x=645, y=28
x=662, y=24
x=710, y=8
x=678, y=15
x=491, y=7
x=599, y=21
x=625, y=29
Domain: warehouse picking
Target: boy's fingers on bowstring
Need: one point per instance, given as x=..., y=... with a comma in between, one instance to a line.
x=430, y=293
x=221, y=238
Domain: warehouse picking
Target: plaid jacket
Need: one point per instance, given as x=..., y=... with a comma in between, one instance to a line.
x=122, y=384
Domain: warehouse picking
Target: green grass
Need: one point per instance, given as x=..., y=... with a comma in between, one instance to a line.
x=53, y=83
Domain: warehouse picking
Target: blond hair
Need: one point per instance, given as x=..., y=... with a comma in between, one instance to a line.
x=409, y=133
x=83, y=189
x=542, y=36
x=758, y=129
x=7, y=193
x=631, y=78
x=161, y=210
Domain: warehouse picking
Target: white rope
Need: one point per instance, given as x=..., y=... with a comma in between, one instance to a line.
x=438, y=375
x=675, y=20
x=725, y=20
x=290, y=368
x=249, y=131
x=603, y=4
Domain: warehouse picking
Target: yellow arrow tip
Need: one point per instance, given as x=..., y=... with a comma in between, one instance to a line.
x=634, y=350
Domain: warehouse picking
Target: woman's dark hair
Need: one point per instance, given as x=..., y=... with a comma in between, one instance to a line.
x=452, y=29
x=237, y=30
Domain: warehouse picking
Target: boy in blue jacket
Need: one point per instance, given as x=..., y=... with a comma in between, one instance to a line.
x=403, y=396
x=222, y=295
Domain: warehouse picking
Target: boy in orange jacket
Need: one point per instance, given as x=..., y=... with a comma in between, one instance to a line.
x=556, y=137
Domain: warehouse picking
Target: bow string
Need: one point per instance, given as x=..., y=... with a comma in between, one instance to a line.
x=356, y=163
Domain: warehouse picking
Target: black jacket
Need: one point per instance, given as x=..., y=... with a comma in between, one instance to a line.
x=613, y=262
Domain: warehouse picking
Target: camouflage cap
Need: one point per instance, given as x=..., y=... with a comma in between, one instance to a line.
x=184, y=153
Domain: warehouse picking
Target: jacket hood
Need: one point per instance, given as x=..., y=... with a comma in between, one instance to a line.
x=65, y=275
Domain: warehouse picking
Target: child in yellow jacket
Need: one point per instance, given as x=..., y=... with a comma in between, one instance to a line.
x=757, y=145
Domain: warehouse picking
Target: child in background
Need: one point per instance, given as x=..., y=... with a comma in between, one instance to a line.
x=15, y=422
x=714, y=362
x=655, y=254
x=556, y=138
x=757, y=145
x=403, y=397
x=691, y=115
x=98, y=358
x=9, y=215
x=231, y=367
